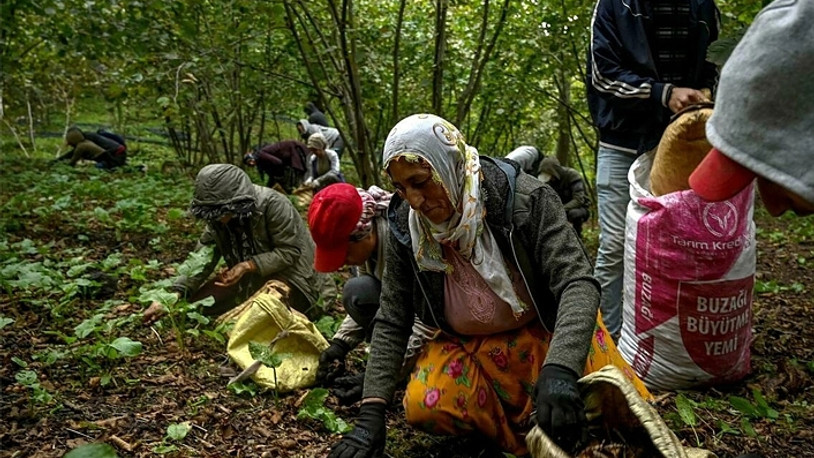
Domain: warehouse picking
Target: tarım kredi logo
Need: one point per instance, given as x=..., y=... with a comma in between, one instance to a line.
x=720, y=218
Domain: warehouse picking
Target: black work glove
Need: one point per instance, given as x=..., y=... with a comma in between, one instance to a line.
x=560, y=411
x=366, y=440
x=332, y=361
x=349, y=388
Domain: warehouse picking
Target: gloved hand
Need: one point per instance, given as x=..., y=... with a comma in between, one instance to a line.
x=560, y=411
x=349, y=389
x=332, y=361
x=367, y=439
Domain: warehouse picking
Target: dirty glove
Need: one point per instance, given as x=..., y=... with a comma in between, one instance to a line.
x=349, y=389
x=332, y=361
x=367, y=439
x=560, y=411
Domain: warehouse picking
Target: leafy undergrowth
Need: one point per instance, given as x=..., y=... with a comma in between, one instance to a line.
x=79, y=248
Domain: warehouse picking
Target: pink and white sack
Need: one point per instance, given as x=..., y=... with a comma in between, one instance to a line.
x=689, y=276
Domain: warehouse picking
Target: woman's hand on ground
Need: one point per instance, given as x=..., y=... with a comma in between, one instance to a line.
x=332, y=362
x=153, y=313
x=349, y=389
x=367, y=439
x=560, y=411
x=233, y=275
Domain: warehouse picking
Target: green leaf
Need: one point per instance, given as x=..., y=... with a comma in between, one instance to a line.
x=175, y=213
x=763, y=407
x=97, y=450
x=160, y=295
x=743, y=405
x=328, y=325
x=313, y=407
x=102, y=215
x=5, y=321
x=260, y=352
x=214, y=334
x=87, y=327
x=239, y=388
x=178, y=431
x=26, y=377
x=726, y=429
x=686, y=411
x=315, y=398
x=278, y=358
x=195, y=316
x=19, y=361
x=164, y=448
x=127, y=346
x=747, y=428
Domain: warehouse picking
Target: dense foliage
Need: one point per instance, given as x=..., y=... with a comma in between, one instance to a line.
x=220, y=77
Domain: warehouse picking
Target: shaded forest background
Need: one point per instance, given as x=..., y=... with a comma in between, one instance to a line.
x=190, y=82
x=220, y=77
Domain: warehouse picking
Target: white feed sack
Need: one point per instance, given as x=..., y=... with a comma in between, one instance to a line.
x=689, y=277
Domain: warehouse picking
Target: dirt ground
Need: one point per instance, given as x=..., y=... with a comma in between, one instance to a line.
x=164, y=385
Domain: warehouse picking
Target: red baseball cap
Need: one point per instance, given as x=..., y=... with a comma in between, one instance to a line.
x=332, y=216
x=718, y=177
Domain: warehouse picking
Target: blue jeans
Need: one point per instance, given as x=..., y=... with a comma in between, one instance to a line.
x=613, y=195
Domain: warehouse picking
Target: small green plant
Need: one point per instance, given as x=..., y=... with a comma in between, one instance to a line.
x=5, y=321
x=241, y=388
x=773, y=287
x=176, y=432
x=686, y=410
x=265, y=355
x=328, y=325
x=759, y=410
x=38, y=395
x=103, y=350
x=313, y=407
x=98, y=450
x=180, y=312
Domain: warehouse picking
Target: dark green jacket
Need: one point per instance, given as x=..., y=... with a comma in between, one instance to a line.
x=285, y=249
x=530, y=227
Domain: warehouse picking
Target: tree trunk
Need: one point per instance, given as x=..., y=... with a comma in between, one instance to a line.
x=441, y=7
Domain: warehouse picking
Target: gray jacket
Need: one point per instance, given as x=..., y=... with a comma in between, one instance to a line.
x=285, y=249
x=530, y=227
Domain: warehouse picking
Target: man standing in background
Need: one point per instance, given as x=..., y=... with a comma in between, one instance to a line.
x=647, y=60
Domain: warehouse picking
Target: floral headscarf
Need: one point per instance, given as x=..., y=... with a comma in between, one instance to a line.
x=374, y=203
x=455, y=165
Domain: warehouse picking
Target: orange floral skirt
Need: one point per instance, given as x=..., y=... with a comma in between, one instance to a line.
x=484, y=384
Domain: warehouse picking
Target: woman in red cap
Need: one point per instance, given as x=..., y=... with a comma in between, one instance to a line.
x=484, y=253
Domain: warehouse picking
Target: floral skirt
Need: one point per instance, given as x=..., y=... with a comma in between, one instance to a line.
x=484, y=384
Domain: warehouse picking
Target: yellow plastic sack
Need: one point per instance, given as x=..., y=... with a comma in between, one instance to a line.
x=616, y=410
x=264, y=316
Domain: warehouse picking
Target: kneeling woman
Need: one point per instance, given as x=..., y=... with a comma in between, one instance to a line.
x=484, y=253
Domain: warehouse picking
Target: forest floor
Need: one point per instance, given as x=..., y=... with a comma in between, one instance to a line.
x=70, y=372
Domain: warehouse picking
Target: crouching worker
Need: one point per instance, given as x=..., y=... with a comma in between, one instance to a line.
x=569, y=185
x=349, y=227
x=323, y=164
x=528, y=157
x=259, y=234
x=106, y=149
x=484, y=253
x=282, y=162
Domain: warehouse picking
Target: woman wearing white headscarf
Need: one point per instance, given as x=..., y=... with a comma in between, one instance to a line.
x=485, y=253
